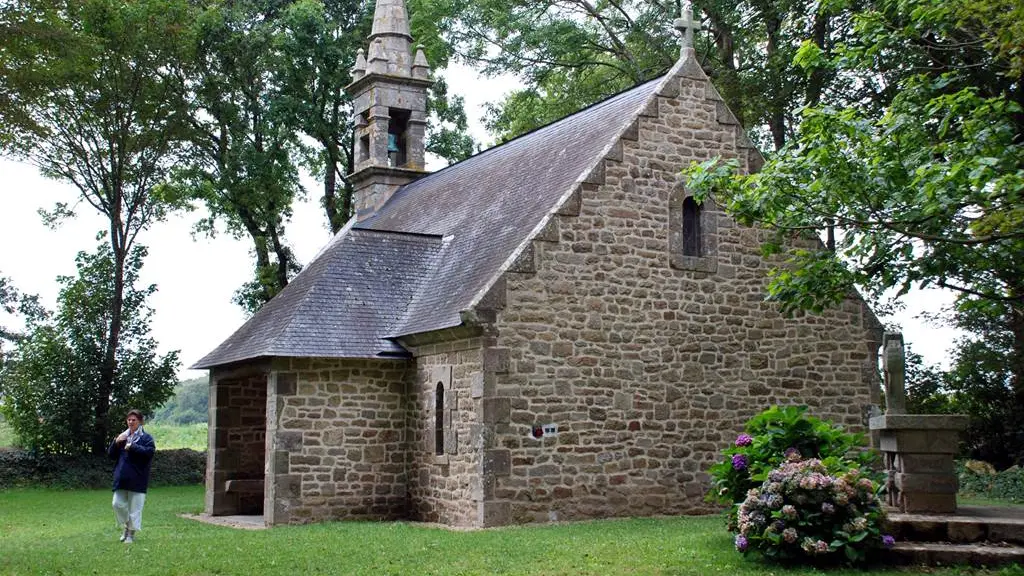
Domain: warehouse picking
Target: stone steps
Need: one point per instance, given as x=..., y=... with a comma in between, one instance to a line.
x=968, y=525
x=941, y=554
x=977, y=535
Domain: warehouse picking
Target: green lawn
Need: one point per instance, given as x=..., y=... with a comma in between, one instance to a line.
x=52, y=532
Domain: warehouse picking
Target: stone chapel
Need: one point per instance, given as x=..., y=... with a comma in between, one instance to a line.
x=552, y=329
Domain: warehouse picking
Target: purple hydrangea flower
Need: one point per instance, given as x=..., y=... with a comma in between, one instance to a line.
x=888, y=541
x=792, y=454
x=741, y=543
x=744, y=440
x=828, y=508
x=739, y=462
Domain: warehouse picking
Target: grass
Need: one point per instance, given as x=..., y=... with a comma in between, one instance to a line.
x=174, y=436
x=53, y=532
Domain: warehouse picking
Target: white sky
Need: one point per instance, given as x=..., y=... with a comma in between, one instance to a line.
x=197, y=277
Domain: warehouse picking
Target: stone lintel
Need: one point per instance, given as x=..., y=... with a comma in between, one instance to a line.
x=954, y=422
x=920, y=441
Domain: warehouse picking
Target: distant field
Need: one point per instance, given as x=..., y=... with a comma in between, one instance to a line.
x=172, y=437
x=167, y=436
x=6, y=435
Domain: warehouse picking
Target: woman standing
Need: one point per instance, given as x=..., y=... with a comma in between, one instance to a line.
x=133, y=450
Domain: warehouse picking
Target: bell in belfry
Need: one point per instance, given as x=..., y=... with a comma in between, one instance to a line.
x=393, y=149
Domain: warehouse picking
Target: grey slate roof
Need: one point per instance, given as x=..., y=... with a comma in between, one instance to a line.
x=434, y=247
x=346, y=301
x=490, y=204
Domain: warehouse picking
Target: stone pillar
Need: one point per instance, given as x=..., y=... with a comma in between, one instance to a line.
x=894, y=366
x=919, y=451
x=282, y=487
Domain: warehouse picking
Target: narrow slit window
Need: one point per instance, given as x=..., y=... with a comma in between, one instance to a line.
x=691, y=227
x=439, y=419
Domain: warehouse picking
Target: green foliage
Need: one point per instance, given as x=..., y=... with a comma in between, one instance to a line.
x=806, y=513
x=919, y=186
x=978, y=479
x=51, y=393
x=189, y=405
x=20, y=468
x=576, y=53
x=48, y=532
x=771, y=438
x=92, y=96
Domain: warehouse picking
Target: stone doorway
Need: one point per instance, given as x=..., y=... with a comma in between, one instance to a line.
x=236, y=452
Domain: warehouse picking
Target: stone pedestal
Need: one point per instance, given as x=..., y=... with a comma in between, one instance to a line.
x=919, y=451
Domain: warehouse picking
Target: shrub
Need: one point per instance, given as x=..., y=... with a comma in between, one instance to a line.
x=22, y=468
x=802, y=512
x=979, y=479
x=774, y=436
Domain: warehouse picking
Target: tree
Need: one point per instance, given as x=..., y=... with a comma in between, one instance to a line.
x=925, y=190
x=574, y=53
x=189, y=405
x=51, y=388
x=88, y=98
x=268, y=80
x=17, y=306
x=240, y=159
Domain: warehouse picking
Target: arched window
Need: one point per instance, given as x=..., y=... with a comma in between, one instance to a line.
x=692, y=232
x=439, y=419
x=691, y=227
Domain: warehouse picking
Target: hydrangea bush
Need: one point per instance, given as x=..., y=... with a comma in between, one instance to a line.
x=802, y=511
x=772, y=437
x=800, y=488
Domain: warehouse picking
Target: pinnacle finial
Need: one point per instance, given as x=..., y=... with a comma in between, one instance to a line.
x=687, y=26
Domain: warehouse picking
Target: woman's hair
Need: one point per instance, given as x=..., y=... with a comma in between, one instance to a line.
x=136, y=413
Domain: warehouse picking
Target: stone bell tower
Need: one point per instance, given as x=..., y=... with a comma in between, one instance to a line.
x=389, y=93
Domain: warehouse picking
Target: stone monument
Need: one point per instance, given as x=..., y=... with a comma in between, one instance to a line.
x=918, y=448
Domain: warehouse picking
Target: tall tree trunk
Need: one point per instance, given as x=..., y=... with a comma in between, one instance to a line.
x=816, y=81
x=335, y=218
x=777, y=117
x=108, y=370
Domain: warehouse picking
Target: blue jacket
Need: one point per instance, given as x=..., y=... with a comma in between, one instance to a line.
x=132, y=469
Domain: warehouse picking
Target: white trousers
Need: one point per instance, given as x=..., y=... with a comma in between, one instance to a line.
x=128, y=508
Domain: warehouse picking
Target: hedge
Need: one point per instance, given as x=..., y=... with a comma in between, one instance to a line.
x=19, y=468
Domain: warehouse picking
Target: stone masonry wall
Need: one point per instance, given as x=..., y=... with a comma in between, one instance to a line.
x=237, y=438
x=338, y=441
x=445, y=488
x=646, y=369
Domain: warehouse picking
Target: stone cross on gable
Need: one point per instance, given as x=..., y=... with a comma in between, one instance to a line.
x=687, y=26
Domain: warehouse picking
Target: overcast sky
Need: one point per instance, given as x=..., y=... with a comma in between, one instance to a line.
x=197, y=277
